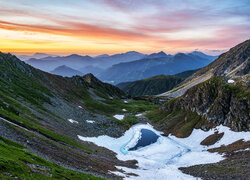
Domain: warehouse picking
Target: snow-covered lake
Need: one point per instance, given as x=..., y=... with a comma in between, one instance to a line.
x=161, y=157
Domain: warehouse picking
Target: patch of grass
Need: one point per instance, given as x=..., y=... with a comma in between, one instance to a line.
x=128, y=121
x=157, y=115
x=140, y=106
x=115, y=106
x=180, y=123
x=15, y=163
x=11, y=143
x=46, y=132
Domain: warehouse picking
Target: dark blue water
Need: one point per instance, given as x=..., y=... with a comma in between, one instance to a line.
x=147, y=137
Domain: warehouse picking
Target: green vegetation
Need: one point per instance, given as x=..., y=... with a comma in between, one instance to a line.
x=180, y=123
x=238, y=90
x=219, y=83
x=128, y=121
x=46, y=132
x=17, y=163
x=152, y=86
x=113, y=106
x=18, y=81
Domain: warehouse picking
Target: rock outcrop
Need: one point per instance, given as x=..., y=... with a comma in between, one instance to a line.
x=218, y=102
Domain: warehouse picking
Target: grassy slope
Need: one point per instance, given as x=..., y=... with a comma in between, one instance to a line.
x=180, y=123
x=152, y=86
x=16, y=162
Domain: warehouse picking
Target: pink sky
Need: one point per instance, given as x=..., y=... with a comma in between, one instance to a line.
x=113, y=26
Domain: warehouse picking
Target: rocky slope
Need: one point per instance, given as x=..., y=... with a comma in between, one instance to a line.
x=217, y=102
x=233, y=63
x=46, y=112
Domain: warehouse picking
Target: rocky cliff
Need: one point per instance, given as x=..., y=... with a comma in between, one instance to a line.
x=218, y=102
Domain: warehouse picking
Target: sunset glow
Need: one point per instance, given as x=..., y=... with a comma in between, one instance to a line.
x=112, y=26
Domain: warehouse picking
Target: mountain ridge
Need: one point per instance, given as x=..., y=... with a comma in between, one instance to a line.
x=148, y=67
x=66, y=71
x=236, y=57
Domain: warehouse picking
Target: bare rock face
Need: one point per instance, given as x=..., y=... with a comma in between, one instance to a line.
x=218, y=102
x=235, y=62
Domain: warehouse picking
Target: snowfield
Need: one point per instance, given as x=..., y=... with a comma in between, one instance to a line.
x=72, y=121
x=138, y=115
x=230, y=81
x=90, y=121
x=162, y=159
x=119, y=117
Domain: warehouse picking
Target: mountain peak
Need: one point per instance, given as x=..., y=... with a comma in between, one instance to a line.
x=198, y=53
x=62, y=67
x=157, y=55
x=66, y=71
x=132, y=52
x=74, y=55
x=102, y=56
x=40, y=54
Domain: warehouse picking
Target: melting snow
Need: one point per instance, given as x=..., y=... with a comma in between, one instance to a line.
x=90, y=121
x=138, y=115
x=72, y=121
x=119, y=117
x=247, y=149
x=230, y=81
x=162, y=159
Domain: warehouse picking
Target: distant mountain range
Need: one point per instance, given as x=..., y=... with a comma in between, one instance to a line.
x=153, y=65
x=36, y=55
x=76, y=61
x=129, y=66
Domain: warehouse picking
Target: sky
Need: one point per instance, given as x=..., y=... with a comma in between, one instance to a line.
x=112, y=26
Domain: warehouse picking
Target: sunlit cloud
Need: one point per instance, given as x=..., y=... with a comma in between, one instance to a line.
x=105, y=26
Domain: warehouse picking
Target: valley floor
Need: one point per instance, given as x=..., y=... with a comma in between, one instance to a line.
x=164, y=159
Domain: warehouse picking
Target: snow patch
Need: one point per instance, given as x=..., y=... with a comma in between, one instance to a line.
x=90, y=121
x=80, y=107
x=162, y=159
x=125, y=101
x=247, y=149
x=230, y=81
x=124, y=110
x=72, y=121
x=118, y=116
x=138, y=115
